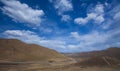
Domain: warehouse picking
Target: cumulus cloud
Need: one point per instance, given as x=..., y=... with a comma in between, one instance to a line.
x=97, y=15
x=21, y=12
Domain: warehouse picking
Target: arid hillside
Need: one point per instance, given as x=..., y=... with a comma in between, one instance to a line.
x=16, y=50
x=16, y=55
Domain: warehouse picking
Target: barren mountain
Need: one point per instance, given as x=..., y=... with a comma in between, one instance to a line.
x=16, y=50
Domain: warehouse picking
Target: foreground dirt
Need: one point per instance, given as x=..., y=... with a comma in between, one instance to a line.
x=39, y=67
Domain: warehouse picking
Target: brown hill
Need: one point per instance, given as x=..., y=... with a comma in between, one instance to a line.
x=16, y=50
x=108, y=57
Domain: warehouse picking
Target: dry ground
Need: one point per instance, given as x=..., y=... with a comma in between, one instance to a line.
x=38, y=67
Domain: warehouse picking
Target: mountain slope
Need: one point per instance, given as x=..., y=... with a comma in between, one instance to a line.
x=16, y=50
x=108, y=57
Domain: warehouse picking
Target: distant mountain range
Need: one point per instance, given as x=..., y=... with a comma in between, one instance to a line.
x=108, y=57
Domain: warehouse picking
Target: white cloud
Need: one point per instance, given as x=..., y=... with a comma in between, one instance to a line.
x=91, y=38
x=21, y=12
x=99, y=9
x=95, y=40
x=66, y=18
x=97, y=15
x=80, y=21
x=62, y=5
x=99, y=19
x=85, y=20
x=75, y=35
x=24, y=35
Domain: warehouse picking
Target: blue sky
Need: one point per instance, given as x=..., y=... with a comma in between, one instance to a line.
x=63, y=25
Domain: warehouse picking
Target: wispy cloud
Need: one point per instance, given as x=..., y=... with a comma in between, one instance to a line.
x=21, y=12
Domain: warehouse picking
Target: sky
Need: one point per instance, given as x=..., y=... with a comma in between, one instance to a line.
x=62, y=25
